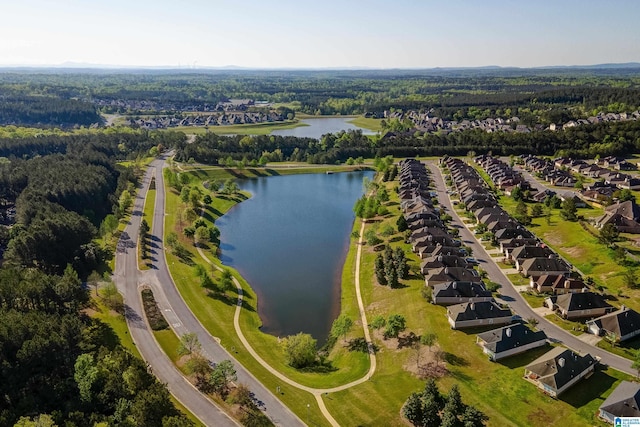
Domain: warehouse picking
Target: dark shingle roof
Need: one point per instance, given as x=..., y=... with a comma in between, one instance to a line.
x=460, y=289
x=559, y=366
x=624, y=401
x=581, y=301
x=510, y=337
x=621, y=322
x=476, y=311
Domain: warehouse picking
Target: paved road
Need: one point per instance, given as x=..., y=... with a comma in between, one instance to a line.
x=182, y=320
x=511, y=295
x=127, y=279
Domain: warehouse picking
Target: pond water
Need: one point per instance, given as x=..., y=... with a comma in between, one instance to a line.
x=320, y=126
x=290, y=240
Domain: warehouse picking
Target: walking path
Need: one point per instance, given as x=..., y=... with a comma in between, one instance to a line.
x=317, y=392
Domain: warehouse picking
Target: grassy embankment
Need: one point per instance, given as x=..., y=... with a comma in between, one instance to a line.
x=367, y=123
x=496, y=388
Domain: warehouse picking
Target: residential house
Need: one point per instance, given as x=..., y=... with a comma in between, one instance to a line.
x=557, y=370
x=460, y=292
x=541, y=266
x=556, y=284
x=451, y=274
x=623, y=324
x=472, y=314
x=624, y=216
x=522, y=253
x=510, y=340
x=579, y=305
x=439, y=261
x=624, y=401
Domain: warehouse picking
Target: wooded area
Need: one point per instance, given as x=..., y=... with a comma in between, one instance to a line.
x=54, y=359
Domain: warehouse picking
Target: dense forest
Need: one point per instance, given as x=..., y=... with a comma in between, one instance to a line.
x=47, y=110
x=450, y=94
x=56, y=363
x=613, y=138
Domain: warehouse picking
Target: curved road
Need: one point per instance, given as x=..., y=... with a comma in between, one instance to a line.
x=178, y=315
x=512, y=296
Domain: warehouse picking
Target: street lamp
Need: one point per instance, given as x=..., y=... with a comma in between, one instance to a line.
x=308, y=413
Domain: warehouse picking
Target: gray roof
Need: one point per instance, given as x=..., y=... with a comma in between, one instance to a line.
x=621, y=322
x=542, y=265
x=550, y=371
x=581, y=301
x=624, y=401
x=460, y=289
x=525, y=252
x=477, y=310
x=510, y=337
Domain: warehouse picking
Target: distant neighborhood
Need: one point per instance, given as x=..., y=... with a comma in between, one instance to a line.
x=425, y=123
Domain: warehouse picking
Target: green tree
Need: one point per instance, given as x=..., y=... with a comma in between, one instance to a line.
x=341, y=326
x=395, y=324
x=429, y=340
x=42, y=420
x=207, y=199
x=630, y=277
x=536, y=210
x=86, y=376
x=226, y=280
x=300, y=350
x=189, y=344
x=608, y=234
x=221, y=376
x=624, y=195
x=472, y=417
x=379, y=270
x=199, y=367
x=378, y=322
x=184, y=194
x=109, y=225
x=125, y=201
x=401, y=223
x=569, y=211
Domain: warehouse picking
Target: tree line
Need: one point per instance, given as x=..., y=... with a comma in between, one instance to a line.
x=609, y=138
x=46, y=111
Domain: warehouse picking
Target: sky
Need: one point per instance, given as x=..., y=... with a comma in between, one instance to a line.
x=319, y=34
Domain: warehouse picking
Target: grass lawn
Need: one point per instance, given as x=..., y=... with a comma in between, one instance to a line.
x=367, y=123
x=117, y=323
x=248, y=129
x=518, y=279
x=627, y=349
x=576, y=328
x=534, y=299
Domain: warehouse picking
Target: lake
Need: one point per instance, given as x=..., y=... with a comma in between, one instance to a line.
x=290, y=240
x=320, y=126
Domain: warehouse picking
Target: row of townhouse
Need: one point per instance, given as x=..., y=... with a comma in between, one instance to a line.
x=215, y=119
x=568, y=367
x=424, y=122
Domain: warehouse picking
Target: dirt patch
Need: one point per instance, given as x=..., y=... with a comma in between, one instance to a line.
x=539, y=418
x=426, y=363
x=553, y=239
x=575, y=252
